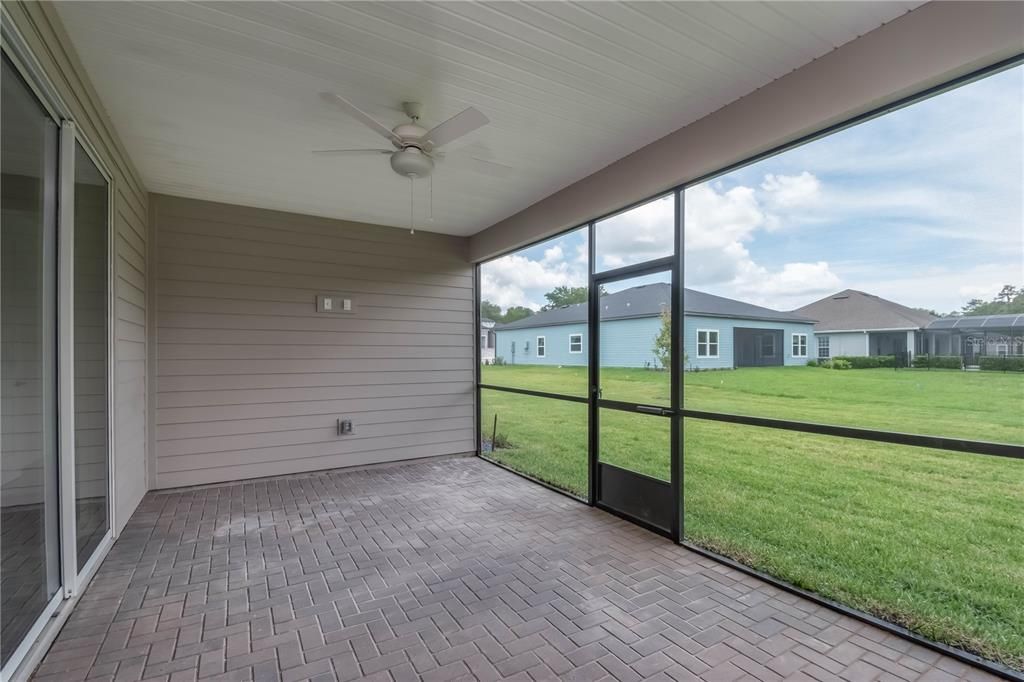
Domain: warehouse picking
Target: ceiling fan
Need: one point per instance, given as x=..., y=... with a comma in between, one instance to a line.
x=414, y=148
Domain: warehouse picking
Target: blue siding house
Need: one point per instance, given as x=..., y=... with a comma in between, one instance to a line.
x=719, y=333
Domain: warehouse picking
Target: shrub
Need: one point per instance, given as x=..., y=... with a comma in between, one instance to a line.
x=1001, y=364
x=869, y=361
x=841, y=363
x=938, y=362
x=812, y=363
x=498, y=361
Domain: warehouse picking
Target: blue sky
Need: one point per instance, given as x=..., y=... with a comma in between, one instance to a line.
x=924, y=206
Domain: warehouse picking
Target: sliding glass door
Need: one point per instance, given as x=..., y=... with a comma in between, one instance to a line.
x=30, y=572
x=55, y=388
x=91, y=351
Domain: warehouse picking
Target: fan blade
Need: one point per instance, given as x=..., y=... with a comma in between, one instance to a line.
x=458, y=125
x=357, y=113
x=491, y=168
x=476, y=165
x=353, y=151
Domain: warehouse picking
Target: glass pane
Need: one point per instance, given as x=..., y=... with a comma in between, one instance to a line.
x=637, y=442
x=636, y=340
x=541, y=437
x=29, y=572
x=533, y=313
x=926, y=538
x=90, y=300
x=896, y=247
x=643, y=233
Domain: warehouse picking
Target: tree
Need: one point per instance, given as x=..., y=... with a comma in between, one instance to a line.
x=663, y=341
x=1009, y=301
x=516, y=312
x=491, y=311
x=563, y=295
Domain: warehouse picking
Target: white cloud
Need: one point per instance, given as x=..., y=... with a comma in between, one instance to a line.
x=516, y=280
x=784, y=192
x=719, y=225
x=637, y=235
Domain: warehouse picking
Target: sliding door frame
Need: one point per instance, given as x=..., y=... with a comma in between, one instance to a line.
x=74, y=578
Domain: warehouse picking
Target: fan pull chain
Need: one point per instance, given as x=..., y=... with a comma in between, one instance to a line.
x=412, y=200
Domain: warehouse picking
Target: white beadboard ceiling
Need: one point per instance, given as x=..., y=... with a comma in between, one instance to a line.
x=220, y=101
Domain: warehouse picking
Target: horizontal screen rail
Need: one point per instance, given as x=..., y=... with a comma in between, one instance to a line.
x=536, y=394
x=935, y=442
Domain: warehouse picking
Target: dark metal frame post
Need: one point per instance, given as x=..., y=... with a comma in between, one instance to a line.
x=593, y=358
x=676, y=370
x=477, y=408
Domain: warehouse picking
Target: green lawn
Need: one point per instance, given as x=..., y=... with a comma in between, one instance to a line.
x=929, y=539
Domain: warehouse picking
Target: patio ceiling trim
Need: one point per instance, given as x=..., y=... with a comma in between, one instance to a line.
x=925, y=48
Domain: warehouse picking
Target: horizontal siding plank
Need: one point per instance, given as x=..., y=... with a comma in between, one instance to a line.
x=305, y=394
x=236, y=382
x=203, y=430
x=325, y=435
x=301, y=309
x=273, y=454
x=268, y=351
x=246, y=367
x=322, y=323
x=259, y=291
x=302, y=338
x=201, y=413
x=221, y=474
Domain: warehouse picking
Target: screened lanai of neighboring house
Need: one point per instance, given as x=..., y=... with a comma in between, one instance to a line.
x=976, y=336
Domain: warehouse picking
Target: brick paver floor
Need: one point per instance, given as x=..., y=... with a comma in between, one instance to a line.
x=451, y=569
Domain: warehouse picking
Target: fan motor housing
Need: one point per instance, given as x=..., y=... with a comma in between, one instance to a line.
x=412, y=162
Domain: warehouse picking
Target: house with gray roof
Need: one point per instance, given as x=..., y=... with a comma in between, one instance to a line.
x=855, y=323
x=719, y=333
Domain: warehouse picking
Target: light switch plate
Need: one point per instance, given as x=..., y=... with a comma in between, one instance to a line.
x=334, y=304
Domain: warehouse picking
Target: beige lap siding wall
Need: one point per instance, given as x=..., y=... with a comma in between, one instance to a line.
x=250, y=378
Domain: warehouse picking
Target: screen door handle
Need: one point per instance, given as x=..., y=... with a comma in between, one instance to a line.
x=650, y=409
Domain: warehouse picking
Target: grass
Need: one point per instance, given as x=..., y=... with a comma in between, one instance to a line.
x=928, y=539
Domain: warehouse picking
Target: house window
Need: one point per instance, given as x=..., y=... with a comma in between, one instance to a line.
x=823, y=351
x=707, y=343
x=768, y=346
x=799, y=345
x=540, y=346
x=575, y=343
x=483, y=341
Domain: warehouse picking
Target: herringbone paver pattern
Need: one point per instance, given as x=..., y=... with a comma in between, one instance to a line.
x=443, y=570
